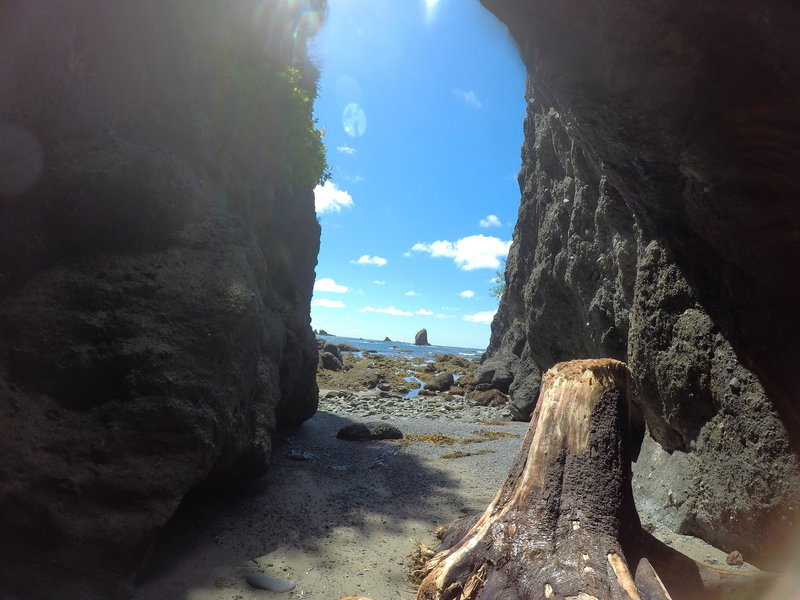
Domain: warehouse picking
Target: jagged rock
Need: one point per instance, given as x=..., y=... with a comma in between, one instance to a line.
x=628, y=241
x=373, y=430
x=344, y=347
x=441, y=383
x=323, y=332
x=386, y=339
x=421, y=338
x=155, y=288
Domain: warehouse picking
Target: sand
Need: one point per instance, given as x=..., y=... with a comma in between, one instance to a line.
x=337, y=517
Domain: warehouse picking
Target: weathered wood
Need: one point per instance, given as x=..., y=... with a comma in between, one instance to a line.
x=564, y=524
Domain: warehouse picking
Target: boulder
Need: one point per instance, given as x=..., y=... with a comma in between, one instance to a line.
x=327, y=347
x=386, y=339
x=441, y=383
x=458, y=361
x=330, y=362
x=421, y=338
x=489, y=397
x=372, y=430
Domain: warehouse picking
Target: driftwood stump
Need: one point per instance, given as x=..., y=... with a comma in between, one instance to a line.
x=564, y=524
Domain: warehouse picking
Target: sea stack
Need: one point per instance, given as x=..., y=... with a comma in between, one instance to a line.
x=421, y=339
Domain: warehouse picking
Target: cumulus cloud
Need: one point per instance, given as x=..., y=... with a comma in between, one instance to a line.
x=411, y=293
x=490, y=221
x=327, y=284
x=346, y=149
x=329, y=198
x=422, y=311
x=389, y=310
x=472, y=252
x=469, y=97
x=467, y=294
x=366, y=259
x=325, y=303
x=485, y=316
x=379, y=282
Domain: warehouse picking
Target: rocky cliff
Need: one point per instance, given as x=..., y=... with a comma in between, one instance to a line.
x=157, y=251
x=659, y=226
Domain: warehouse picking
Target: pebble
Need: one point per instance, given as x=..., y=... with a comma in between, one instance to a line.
x=267, y=582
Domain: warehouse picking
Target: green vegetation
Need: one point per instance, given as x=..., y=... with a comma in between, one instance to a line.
x=499, y=288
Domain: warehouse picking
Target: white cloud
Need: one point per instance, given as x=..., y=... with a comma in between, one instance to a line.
x=325, y=303
x=346, y=149
x=422, y=311
x=366, y=259
x=411, y=293
x=354, y=178
x=391, y=310
x=329, y=285
x=467, y=294
x=329, y=198
x=379, y=282
x=490, y=221
x=469, y=97
x=485, y=316
x=472, y=252
x=441, y=316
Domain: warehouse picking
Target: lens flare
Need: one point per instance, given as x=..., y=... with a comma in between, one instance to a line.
x=354, y=120
x=291, y=22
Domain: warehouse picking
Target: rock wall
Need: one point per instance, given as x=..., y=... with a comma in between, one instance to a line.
x=157, y=249
x=658, y=225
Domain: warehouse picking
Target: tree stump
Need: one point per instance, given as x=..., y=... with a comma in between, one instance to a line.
x=564, y=524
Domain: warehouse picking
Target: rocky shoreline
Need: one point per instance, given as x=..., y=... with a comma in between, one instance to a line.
x=364, y=384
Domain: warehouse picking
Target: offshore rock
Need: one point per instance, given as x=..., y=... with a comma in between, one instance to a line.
x=155, y=288
x=651, y=152
x=421, y=338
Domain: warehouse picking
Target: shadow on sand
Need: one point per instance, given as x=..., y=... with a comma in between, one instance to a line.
x=315, y=485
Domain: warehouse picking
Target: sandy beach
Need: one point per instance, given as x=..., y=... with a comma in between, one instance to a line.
x=336, y=517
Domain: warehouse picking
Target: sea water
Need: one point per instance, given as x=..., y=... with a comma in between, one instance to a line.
x=423, y=353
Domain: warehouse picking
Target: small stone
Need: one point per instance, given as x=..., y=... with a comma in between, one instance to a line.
x=735, y=384
x=735, y=559
x=296, y=454
x=267, y=582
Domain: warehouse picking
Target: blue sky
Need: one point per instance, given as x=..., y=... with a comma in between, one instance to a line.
x=422, y=104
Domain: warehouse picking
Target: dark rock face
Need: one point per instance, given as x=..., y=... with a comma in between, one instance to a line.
x=658, y=226
x=155, y=284
x=421, y=338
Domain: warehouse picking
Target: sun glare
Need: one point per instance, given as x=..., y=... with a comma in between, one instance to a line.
x=430, y=9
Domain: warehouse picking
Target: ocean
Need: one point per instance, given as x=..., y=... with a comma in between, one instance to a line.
x=404, y=348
